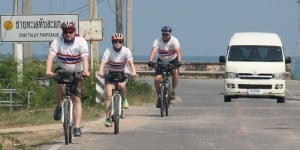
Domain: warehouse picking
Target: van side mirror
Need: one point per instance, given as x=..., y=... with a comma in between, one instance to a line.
x=222, y=59
x=287, y=60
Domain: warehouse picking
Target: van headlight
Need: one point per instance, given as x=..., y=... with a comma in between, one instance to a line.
x=230, y=75
x=279, y=76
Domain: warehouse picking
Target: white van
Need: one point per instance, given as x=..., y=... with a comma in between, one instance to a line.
x=255, y=66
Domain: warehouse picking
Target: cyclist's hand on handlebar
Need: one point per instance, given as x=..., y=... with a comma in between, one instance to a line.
x=100, y=74
x=133, y=74
x=86, y=73
x=150, y=64
x=50, y=74
x=178, y=64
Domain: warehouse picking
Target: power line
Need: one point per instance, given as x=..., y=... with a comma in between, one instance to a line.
x=85, y=7
x=111, y=9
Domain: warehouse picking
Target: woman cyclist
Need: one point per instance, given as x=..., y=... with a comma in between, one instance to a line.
x=115, y=58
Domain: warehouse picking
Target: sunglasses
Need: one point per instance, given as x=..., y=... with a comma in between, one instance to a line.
x=165, y=34
x=68, y=32
x=121, y=42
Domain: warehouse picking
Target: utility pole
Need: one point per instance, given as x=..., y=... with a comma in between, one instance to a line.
x=129, y=25
x=297, y=47
x=15, y=8
x=26, y=10
x=94, y=56
x=119, y=21
x=18, y=49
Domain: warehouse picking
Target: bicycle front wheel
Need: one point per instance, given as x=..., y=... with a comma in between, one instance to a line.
x=162, y=100
x=116, y=116
x=167, y=100
x=67, y=127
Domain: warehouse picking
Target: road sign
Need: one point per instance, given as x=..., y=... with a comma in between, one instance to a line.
x=33, y=28
x=91, y=30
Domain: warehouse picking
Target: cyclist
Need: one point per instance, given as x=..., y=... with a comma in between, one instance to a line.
x=168, y=48
x=115, y=58
x=72, y=53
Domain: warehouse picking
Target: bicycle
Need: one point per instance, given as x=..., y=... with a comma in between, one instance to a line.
x=165, y=87
x=66, y=78
x=116, y=103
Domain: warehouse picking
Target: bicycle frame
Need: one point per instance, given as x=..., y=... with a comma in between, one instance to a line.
x=116, y=104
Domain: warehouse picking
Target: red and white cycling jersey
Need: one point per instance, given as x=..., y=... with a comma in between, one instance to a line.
x=166, y=50
x=116, y=61
x=69, y=55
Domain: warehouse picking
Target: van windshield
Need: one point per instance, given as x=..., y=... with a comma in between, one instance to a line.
x=255, y=53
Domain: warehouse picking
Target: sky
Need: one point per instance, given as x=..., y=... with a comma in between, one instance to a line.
x=203, y=27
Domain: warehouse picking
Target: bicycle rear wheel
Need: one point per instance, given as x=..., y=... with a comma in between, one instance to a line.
x=116, y=114
x=67, y=127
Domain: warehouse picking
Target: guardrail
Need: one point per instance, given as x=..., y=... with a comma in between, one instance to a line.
x=11, y=102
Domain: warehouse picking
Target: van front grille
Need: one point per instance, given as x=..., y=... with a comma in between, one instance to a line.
x=254, y=76
x=254, y=86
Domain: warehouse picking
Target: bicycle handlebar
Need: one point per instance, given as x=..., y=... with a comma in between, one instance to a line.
x=163, y=64
x=60, y=76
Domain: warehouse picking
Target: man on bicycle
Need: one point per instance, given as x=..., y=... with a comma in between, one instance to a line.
x=72, y=53
x=115, y=58
x=168, y=48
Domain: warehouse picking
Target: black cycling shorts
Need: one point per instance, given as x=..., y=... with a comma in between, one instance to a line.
x=173, y=62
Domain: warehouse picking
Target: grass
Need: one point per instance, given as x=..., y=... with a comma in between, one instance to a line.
x=42, y=102
x=41, y=116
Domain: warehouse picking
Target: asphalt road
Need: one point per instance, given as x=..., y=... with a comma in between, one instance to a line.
x=200, y=120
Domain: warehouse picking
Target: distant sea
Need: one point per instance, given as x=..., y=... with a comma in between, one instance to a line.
x=196, y=59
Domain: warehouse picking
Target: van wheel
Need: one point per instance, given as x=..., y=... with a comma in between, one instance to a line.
x=227, y=99
x=280, y=99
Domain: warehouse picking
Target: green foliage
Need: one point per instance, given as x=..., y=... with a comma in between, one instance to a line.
x=89, y=92
x=137, y=87
x=140, y=92
x=44, y=96
x=25, y=81
x=8, y=69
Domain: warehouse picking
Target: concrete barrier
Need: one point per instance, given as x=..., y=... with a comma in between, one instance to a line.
x=194, y=70
x=188, y=70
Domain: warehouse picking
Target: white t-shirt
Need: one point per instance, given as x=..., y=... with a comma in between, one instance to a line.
x=69, y=55
x=116, y=61
x=166, y=50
